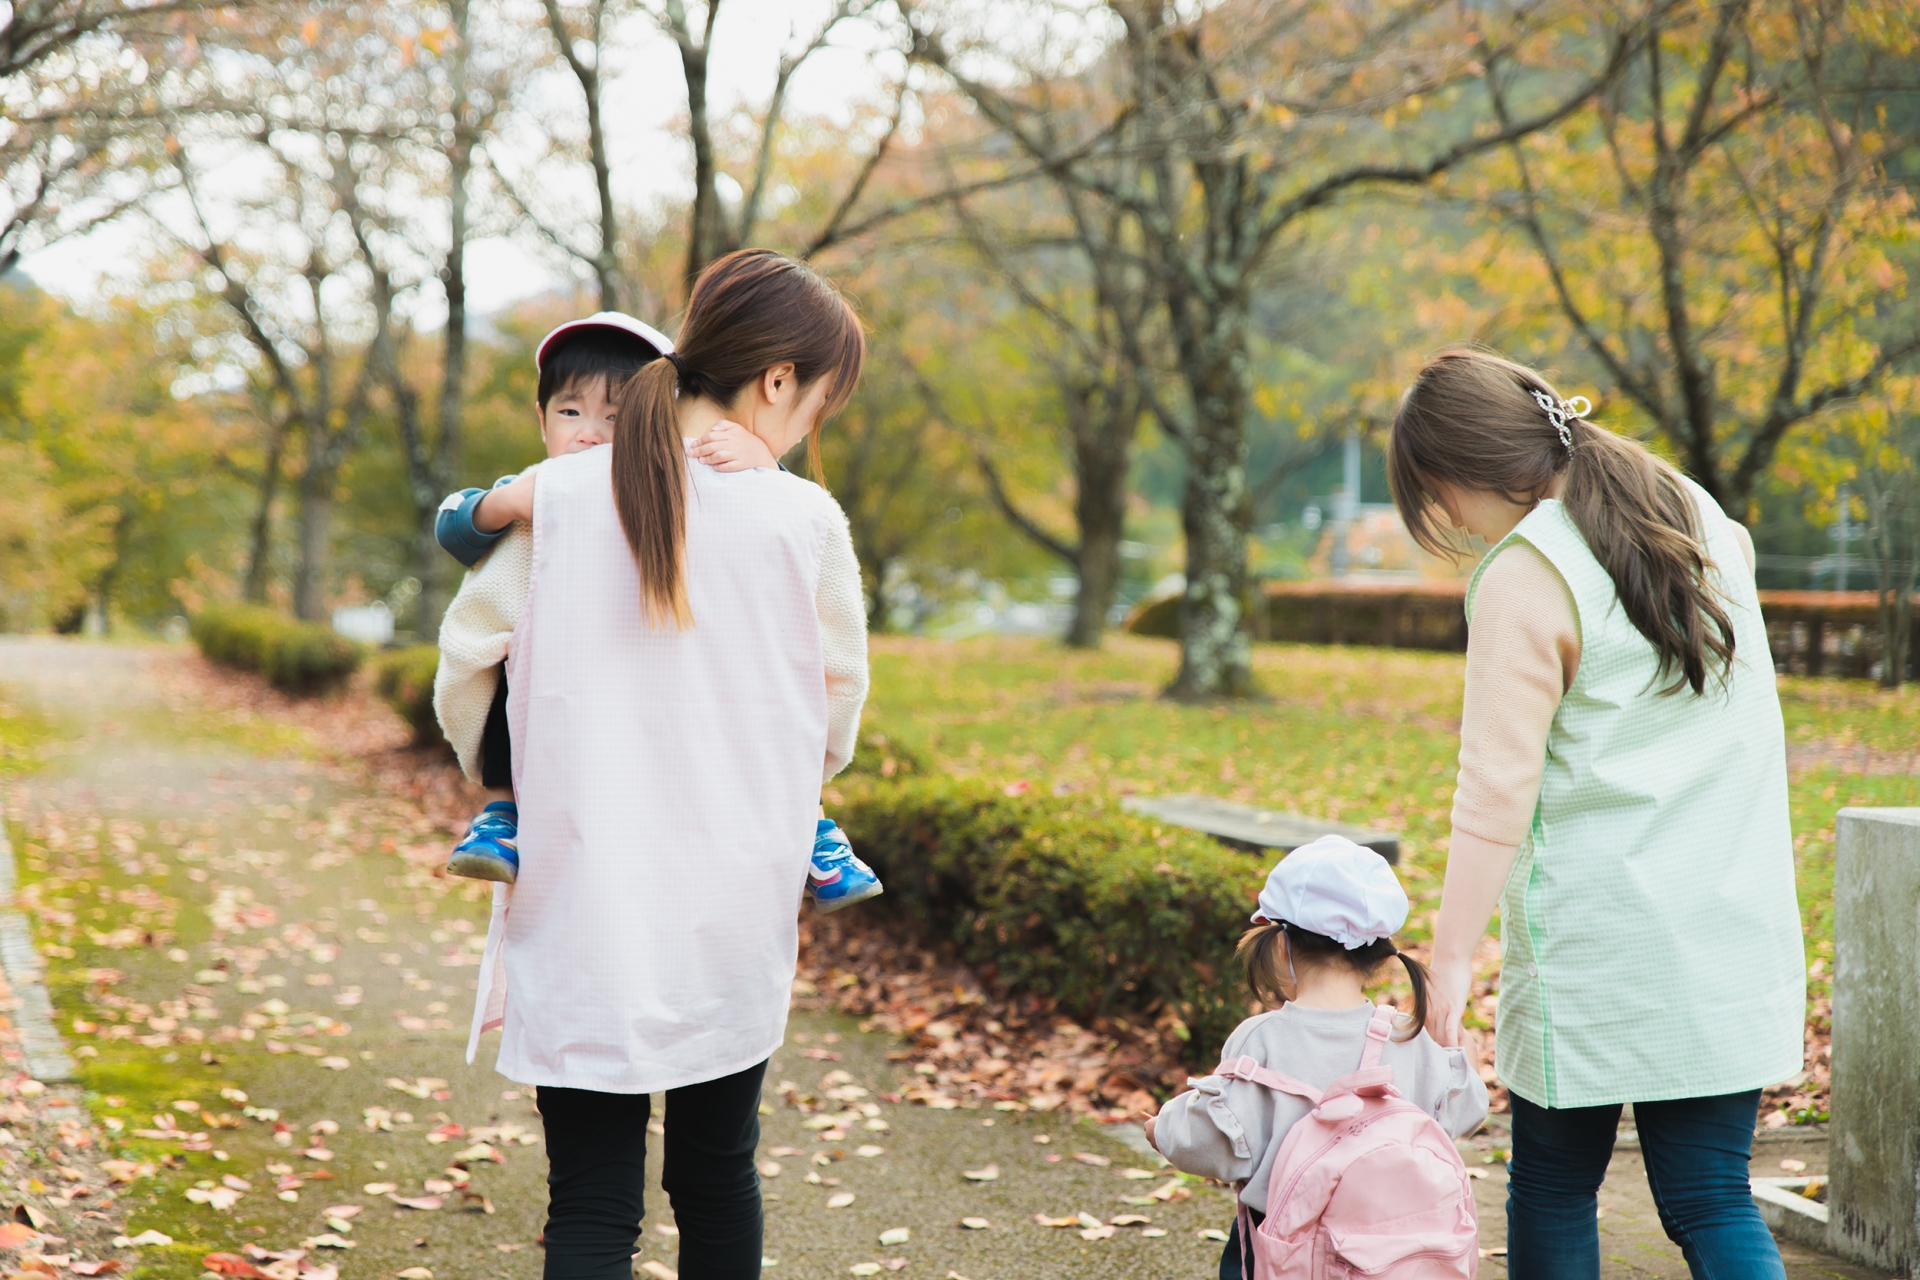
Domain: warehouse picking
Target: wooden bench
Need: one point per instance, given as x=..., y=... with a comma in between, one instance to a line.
x=1246, y=827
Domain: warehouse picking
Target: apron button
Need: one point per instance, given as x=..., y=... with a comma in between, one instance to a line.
x=1533, y=970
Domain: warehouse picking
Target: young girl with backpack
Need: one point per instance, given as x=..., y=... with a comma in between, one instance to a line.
x=1335, y=1119
x=1622, y=796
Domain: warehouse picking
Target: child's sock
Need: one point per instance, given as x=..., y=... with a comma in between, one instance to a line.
x=491, y=849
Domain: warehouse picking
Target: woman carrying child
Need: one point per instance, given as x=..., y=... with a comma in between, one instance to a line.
x=680, y=684
x=1623, y=799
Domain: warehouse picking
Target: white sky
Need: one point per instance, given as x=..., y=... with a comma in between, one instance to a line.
x=645, y=93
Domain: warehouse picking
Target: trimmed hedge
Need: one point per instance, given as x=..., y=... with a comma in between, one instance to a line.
x=299, y=657
x=1401, y=615
x=404, y=680
x=1106, y=912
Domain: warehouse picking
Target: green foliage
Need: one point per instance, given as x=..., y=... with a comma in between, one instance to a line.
x=404, y=680
x=24, y=734
x=1068, y=898
x=299, y=657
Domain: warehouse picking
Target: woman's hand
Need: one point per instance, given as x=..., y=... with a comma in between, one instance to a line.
x=502, y=506
x=1447, y=1002
x=728, y=446
x=1476, y=873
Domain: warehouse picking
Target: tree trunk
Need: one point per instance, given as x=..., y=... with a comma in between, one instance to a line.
x=432, y=568
x=1100, y=510
x=315, y=532
x=260, y=541
x=1215, y=657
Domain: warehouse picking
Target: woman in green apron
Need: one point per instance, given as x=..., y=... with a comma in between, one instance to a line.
x=1623, y=801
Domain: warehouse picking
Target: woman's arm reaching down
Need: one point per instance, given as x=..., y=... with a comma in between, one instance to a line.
x=843, y=642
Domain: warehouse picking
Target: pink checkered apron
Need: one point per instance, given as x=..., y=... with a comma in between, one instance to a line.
x=667, y=782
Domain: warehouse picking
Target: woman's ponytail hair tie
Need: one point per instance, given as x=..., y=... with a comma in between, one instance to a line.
x=1563, y=414
x=679, y=363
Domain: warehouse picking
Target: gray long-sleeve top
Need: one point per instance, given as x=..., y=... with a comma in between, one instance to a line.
x=1232, y=1129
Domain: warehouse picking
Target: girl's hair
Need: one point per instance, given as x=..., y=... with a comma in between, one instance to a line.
x=749, y=311
x=1470, y=420
x=1265, y=955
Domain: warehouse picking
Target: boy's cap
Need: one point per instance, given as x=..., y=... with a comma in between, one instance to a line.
x=619, y=320
x=1337, y=888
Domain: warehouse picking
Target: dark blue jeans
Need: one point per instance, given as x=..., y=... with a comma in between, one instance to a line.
x=1696, y=1151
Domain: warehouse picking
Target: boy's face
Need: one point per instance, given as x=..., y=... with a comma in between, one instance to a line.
x=579, y=416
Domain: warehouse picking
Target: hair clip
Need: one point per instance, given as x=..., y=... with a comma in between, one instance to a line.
x=1562, y=413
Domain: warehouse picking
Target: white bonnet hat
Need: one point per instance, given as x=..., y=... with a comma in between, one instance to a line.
x=1337, y=888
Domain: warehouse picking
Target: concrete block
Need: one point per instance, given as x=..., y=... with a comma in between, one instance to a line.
x=1875, y=1134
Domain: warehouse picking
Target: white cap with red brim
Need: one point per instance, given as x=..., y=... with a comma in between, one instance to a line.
x=618, y=320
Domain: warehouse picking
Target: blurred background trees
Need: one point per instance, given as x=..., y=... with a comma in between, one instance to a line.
x=1135, y=272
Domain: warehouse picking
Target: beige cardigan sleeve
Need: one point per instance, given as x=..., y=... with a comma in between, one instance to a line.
x=842, y=608
x=473, y=643
x=1522, y=654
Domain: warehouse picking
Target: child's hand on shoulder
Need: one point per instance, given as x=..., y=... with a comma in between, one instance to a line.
x=728, y=446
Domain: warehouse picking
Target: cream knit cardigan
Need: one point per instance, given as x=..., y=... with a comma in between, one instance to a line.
x=480, y=621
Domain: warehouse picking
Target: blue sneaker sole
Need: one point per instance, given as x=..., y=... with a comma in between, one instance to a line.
x=482, y=866
x=857, y=895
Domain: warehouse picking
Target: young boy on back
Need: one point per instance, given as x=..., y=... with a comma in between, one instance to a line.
x=581, y=364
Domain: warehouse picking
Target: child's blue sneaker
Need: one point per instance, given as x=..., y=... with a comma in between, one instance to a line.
x=837, y=878
x=491, y=850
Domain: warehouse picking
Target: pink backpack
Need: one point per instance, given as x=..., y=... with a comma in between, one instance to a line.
x=1366, y=1184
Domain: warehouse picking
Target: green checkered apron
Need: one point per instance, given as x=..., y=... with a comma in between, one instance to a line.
x=1650, y=934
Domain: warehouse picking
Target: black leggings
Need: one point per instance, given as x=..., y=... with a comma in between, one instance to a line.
x=597, y=1171
x=496, y=742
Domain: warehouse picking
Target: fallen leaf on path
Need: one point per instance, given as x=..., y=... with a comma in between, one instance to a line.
x=445, y=1133
x=869, y=1151
x=1171, y=1189
x=103, y=1268
x=769, y=1168
x=415, y=1273
x=337, y=1063
x=1130, y=1220
x=380, y=1188
x=143, y=1240
x=975, y=1224
x=15, y=1234
x=1086, y=1219
x=1794, y=1166
x=341, y=1211
x=229, y=1264
x=1212, y=1233
x=896, y=1235
x=990, y=1173
x=1137, y=1175
x=328, y=1240
x=840, y=1200
x=1071, y=1220
x=480, y=1151
x=658, y=1270
x=783, y=1151
x=416, y=1202
x=1087, y=1157
x=1153, y=1233
x=235, y=1183
x=864, y=1269
x=1101, y=1232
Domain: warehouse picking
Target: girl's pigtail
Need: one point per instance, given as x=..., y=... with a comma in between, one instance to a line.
x=1420, y=980
x=1257, y=950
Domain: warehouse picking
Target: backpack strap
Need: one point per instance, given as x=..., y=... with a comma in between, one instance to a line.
x=1379, y=1031
x=1250, y=1070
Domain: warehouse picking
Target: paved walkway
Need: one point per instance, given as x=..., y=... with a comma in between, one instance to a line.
x=249, y=918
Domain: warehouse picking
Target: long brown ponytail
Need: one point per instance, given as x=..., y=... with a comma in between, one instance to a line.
x=1470, y=420
x=749, y=311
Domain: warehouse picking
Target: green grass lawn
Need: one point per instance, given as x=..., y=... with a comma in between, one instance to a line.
x=1361, y=735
